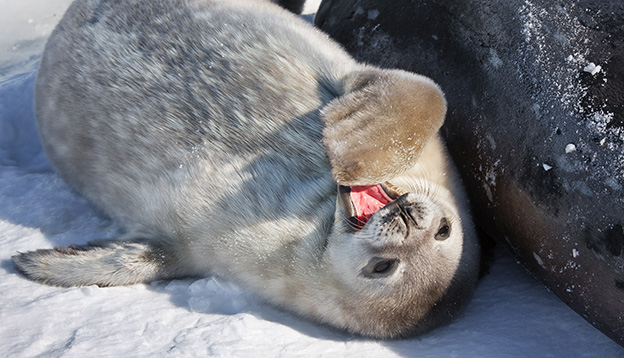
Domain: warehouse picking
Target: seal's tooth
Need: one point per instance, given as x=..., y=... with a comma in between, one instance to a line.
x=344, y=196
x=392, y=191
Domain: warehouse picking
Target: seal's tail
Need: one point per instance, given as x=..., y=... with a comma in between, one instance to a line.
x=101, y=262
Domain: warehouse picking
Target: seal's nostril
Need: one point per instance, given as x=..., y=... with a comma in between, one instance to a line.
x=410, y=211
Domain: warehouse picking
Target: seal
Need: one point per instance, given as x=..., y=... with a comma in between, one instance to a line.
x=231, y=138
x=539, y=141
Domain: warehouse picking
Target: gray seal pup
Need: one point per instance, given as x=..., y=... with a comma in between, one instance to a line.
x=232, y=138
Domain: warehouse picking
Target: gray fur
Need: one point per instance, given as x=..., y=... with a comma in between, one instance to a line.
x=198, y=125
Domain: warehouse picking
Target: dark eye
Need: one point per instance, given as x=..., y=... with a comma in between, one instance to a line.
x=380, y=267
x=444, y=230
x=384, y=266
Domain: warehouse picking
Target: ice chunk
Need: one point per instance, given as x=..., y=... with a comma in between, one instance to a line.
x=592, y=68
x=570, y=148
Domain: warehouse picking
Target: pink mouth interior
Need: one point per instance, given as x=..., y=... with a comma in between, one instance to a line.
x=367, y=199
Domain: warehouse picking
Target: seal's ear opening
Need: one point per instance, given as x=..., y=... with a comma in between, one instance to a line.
x=378, y=128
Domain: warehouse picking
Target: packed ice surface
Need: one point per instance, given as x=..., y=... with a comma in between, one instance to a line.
x=24, y=25
x=511, y=315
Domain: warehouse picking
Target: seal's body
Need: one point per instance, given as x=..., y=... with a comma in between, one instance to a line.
x=215, y=132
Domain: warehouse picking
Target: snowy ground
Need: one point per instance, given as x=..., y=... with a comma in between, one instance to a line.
x=511, y=315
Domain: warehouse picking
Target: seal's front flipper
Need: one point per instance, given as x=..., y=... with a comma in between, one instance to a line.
x=379, y=127
x=101, y=262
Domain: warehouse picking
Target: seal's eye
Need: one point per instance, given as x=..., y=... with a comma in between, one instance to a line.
x=383, y=267
x=444, y=231
x=380, y=267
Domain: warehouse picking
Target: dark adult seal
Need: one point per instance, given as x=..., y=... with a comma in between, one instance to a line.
x=536, y=124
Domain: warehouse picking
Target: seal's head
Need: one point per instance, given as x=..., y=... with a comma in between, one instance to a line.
x=403, y=260
x=400, y=259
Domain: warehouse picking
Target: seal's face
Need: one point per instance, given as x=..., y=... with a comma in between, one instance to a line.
x=396, y=256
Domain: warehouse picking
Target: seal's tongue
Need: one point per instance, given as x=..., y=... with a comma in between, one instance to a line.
x=367, y=199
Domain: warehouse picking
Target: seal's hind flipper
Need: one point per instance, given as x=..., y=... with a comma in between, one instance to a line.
x=101, y=262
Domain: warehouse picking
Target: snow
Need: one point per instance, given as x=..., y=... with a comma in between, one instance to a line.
x=539, y=54
x=570, y=147
x=495, y=60
x=511, y=315
x=592, y=68
x=25, y=25
x=372, y=14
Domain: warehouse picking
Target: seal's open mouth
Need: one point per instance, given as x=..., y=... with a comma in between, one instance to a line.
x=361, y=202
